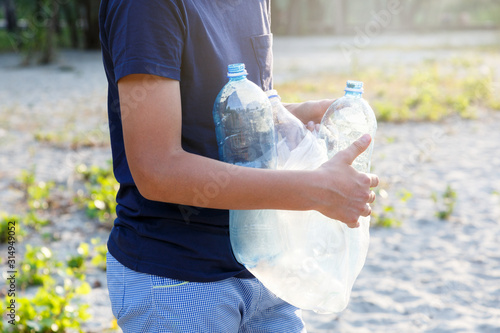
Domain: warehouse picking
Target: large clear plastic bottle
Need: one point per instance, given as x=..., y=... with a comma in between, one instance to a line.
x=312, y=261
x=304, y=257
x=289, y=129
x=298, y=148
x=345, y=121
x=245, y=132
x=244, y=122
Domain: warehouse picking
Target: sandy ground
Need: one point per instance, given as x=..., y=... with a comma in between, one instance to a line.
x=426, y=276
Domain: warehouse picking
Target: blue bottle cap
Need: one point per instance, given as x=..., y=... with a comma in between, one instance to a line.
x=354, y=86
x=234, y=70
x=272, y=94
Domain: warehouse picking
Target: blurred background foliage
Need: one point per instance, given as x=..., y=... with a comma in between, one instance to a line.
x=431, y=90
x=37, y=28
x=292, y=17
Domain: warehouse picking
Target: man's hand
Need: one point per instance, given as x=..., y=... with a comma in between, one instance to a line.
x=311, y=112
x=163, y=171
x=346, y=193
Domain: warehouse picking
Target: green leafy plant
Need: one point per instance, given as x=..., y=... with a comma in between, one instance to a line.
x=445, y=203
x=429, y=91
x=6, y=221
x=101, y=186
x=76, y=263
x=96, y=252
x=72, y=139
x=386, y=215
x=56, y=306
x=38, y=39
x=52, y=309
x=27, y=178
x=36, y=265
x=39, y=195
x=100, y=251
x=34, y=220
x=38, y=199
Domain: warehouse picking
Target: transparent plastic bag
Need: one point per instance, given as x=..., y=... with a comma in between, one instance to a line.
x=303, y=257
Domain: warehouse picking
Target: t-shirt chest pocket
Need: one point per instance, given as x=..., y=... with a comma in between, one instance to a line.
x=262, y=46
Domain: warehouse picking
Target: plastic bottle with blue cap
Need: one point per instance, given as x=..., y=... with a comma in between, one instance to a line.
x=244, y=122
x=345, y=121
x=245, y=134
x=303, y=257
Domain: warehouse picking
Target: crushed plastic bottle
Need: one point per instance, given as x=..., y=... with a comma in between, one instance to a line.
x=304, y=257
x=293, y=138
x=321, y=258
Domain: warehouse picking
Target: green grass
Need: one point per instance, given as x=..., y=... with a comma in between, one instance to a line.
x=387, y=213
x=57, y=305
x=430, y=91
x=5, y=42
x=72, y=139
x=445, y=202
x=30, y=42
x=99, y=199
x=37, y=195
x=11, y=230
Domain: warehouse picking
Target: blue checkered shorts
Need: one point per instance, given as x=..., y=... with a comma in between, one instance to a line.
x=149, y=303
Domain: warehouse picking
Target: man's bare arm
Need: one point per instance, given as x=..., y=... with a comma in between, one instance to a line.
x=163, y=171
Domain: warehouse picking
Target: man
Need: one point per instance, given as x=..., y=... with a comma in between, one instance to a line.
x=170, y=265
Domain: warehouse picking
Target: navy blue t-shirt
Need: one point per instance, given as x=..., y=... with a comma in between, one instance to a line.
x=192, y=41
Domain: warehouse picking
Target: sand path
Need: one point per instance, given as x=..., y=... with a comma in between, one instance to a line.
x=427, y=276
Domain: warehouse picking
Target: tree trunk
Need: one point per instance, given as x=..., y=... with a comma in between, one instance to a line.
x=410, y=11
x=276, y=18
x=10, y=15
x=315, y=18
x=297, y=17
x=49, y=51
x=70, y=10
x=339, y=16
x=91, y=8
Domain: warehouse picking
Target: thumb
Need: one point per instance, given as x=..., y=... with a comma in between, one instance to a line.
x=356, y=148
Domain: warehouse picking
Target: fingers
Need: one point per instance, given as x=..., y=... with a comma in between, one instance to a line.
x=367, y=211
x=368, y=197
x=310, y=125
x=313, y=127
x=357, y=148
x=371, y=199
x=374, y=181
x=353, y=225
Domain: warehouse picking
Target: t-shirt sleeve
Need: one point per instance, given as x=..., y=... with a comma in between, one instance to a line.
x=145, y=37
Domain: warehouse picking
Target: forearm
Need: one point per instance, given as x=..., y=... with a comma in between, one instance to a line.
x=295, y=109
x=163, y=171
x=189, y=179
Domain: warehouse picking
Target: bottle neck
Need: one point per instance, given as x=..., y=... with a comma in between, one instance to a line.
x=237, y=78
x=353, y=94
x=273, y=96
x=353, y=89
